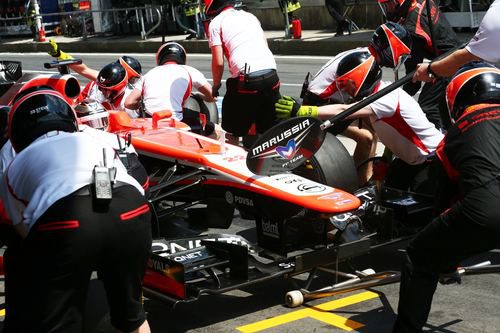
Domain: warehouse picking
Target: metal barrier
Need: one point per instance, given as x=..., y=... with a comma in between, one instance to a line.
x=144, y=15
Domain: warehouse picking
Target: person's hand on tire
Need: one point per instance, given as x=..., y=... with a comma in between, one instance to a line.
x=215, y=90
x=56, y=52
x=287, y=107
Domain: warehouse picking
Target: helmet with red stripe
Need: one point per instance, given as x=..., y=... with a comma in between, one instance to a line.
x=36, y=112
x=390, y=42
x=474, y=83
x=214, y=7
x=171, y=51
x=132, y=66
x=112, y=80
x=358, y=74
x=393, y=10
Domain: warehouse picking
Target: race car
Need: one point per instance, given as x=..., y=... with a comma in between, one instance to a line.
x=313, y=217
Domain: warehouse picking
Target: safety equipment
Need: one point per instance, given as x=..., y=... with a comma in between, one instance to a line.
x=37, y=112
x=390, y=44
x=132, y=66
x=112, y=80
x=287, y=107
x=393, y=10
x=56, y=52
x=215, y=90
x=92, y=114
x=474, y=83
x=358, y=74
x=171, y=51
x=214, y=7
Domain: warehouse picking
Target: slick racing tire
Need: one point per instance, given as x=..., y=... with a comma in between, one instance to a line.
x=331, y=165
x=196, y=103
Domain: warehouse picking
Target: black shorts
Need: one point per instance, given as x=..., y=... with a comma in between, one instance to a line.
x=250, y=101
x=48, y=275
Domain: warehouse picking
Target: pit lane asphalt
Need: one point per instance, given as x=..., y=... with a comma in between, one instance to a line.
x=470, y=307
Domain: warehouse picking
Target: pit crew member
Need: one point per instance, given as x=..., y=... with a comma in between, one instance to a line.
x=169, y=84
x=254, y=85
x=56, y=208
x=412, y=14
x=396, y=118
x=483, y=46
x=469, y=153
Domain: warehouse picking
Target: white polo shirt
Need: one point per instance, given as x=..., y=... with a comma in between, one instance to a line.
x=323, y=83
x=486, y=43
x=168, y=86
x=52, y=167
x=403, y=127
x=242, y=40
x=91, y=91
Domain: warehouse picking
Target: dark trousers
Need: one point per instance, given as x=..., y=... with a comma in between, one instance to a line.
x=440, y=247
x=47, y=274
x=432, y=100
x=249, y=101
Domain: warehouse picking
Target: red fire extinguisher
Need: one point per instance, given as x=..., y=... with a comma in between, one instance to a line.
x=297, y=28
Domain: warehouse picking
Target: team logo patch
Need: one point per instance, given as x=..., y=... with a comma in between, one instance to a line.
x=288, y=151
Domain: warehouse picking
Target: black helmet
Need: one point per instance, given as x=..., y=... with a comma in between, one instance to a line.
x=171, y=51
x=39, y=112
x=132, y=66
x=389, y=43
x=360, y=67
x=474, y=83
x=4, y=118
x=92, y=114
x=112, y=80
x=393, y=10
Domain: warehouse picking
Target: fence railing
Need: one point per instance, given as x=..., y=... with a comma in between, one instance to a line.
x=148, y=18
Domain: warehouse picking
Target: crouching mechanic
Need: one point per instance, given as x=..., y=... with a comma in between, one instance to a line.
x=67, y=190
x=470, y=154
x=169, y=84
x=397, y=119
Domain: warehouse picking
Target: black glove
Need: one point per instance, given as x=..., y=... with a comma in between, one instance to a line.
x=215, y=90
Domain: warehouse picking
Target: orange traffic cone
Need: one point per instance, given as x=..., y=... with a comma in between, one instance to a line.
x=41, y=34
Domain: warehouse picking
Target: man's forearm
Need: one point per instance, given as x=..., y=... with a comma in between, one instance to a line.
x=447, y=66
x=85, y=71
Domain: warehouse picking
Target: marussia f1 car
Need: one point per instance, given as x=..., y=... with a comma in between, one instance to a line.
x=301, y=222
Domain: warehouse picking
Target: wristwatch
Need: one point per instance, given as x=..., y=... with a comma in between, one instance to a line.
x=430, y=71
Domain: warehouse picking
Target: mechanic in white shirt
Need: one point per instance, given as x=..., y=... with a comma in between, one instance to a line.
x=397, y=118
x=254, y=85
x=168, y=85
x=485, y=45
x=53, y=205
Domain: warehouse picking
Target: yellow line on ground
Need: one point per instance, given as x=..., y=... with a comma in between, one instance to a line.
x=319, y=312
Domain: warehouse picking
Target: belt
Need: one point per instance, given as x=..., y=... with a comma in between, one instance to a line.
x=260, y=75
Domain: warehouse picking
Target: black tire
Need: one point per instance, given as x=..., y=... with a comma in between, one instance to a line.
x=332, y=165
x=196, y=103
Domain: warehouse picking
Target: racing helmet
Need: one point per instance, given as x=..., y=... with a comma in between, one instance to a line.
x=92, y=114
x=214, y=7
x=171, y=51
x=38, y=112
x=112, y=80
x=390, y=42
x=132, y=67
x=393, y=10
x=474, y=83
x=358, y=74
